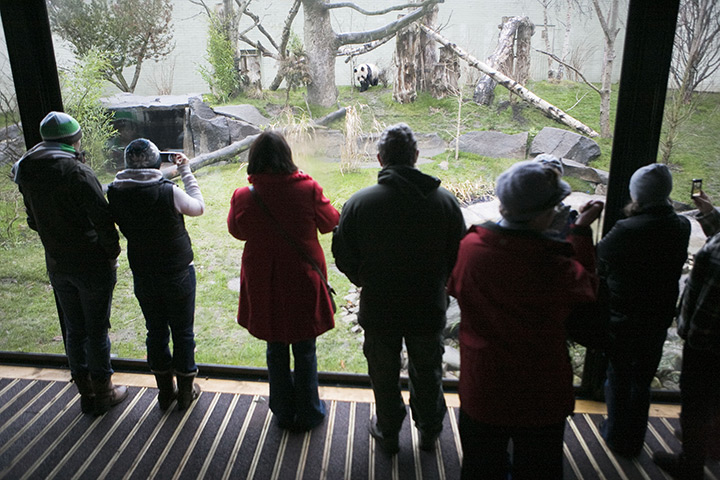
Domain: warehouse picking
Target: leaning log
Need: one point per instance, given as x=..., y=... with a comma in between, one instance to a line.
x=507, y=82
x=225, y=153
x=236, y=148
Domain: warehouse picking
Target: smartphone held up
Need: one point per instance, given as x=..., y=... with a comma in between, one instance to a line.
x=167, y=157
x=696, y=189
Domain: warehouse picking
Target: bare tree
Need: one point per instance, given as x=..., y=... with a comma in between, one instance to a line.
x=609, y=23
x=545, y=35
x=322, y=43
x=696, y=57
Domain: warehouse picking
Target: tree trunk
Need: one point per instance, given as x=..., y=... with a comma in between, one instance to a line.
x=566, y=40
x=502, y=58
x=610, y=31
x=550, y=110
x=546, y=37
x=446, y=75
x=407, y=44
x=320, y=45
x=523, y=46
x=427, y=54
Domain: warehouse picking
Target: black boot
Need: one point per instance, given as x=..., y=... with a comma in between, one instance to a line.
x=107, y=395
x=87, y=396
x=188, y=390
x=168, y=392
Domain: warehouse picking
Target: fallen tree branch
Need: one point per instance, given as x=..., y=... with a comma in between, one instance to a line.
x=234, y=149
x=551, y=110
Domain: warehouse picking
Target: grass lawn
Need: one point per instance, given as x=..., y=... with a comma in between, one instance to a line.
x=27, y=311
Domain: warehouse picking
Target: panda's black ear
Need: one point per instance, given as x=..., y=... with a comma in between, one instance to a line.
x=355, y=70
x=362, y=69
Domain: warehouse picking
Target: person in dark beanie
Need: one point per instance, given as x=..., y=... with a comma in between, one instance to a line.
x=398, y=241
x=642, y=258
x=65, y=204
x=149, y=211
x=516, y=286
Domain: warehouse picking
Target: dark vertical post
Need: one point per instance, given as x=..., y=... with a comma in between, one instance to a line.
x=32, y=59
x=641, y=101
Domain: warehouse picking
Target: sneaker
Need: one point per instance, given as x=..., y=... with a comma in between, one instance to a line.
x=388, y=443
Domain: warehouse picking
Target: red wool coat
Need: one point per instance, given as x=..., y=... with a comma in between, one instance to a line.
x=282, y=299
x=515, y=290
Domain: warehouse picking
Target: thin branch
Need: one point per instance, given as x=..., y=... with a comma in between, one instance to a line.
x=261, y=28
x=352, y=52
x=285, y=37
x=381, y=12
x=260, y=48
x=387, y=30
x=557, y=59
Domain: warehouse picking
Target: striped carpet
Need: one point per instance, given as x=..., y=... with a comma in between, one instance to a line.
x=43, y=435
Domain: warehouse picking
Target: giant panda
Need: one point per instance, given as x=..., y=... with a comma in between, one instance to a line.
x=367, y=74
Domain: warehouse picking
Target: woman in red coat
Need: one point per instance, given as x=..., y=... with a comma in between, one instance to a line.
x=283, y=300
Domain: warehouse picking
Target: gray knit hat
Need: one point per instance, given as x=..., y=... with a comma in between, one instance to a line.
x=142, y=153
x=529, y=188
x=60, y=127
x=651, y=185
x=551, y=160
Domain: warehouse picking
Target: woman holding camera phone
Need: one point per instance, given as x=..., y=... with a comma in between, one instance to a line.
x=642, y=258
x=149, y=211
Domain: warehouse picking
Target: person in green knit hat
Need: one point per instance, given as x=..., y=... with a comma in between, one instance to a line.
x=65, y=204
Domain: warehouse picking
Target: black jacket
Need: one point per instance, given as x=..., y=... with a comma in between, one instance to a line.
x=66, y=206
x=398, y=240
x=642, y=258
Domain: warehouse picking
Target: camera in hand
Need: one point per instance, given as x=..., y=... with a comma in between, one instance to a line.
x=168, y=157
x=696, y=187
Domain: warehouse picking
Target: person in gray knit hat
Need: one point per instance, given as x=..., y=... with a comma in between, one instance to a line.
x=65, y=204
x=642, y=258
x=516, y=286
x=150, y=213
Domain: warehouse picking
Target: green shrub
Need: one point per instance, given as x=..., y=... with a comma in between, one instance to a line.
x=222, y=77
x=82, y=88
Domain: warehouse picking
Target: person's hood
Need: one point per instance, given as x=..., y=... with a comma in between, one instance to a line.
x=36, y=161
x=137, y=177
x=408, y=180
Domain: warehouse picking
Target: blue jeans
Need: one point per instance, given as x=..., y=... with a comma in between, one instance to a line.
x=294, y=396
x=168, y=304
x=85, y=300
x=537, y=452
x=427, y=401
x=630, y=372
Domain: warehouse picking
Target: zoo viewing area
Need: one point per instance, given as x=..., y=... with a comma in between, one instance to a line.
x=606, y=86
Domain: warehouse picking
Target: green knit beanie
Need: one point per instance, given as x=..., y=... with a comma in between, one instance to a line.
x=60, y=127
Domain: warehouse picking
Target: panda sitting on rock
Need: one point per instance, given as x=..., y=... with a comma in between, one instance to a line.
x=367, y=74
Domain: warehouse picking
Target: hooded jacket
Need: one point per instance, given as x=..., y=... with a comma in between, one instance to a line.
x=398, y=240
x=142, y=202
x=66, y=206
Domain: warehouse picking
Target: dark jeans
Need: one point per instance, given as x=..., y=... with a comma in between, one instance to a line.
x=427, y=402
x=537, y=452
x=700, y=397
x=168, y=304
x=630, y=372
x=85, y=300
x=294, y=396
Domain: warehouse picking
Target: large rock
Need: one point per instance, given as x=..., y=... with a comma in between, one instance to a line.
x=495, y=144
x=206, y=131
x=244, y=113
x=564, y=144
x=583, y=172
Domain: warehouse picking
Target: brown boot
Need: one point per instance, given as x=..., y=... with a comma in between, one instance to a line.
x=188, y=390
x=168, y=391
x=87, y=396
x=107, y=395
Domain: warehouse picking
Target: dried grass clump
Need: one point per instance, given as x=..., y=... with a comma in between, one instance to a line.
x=471, y=191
